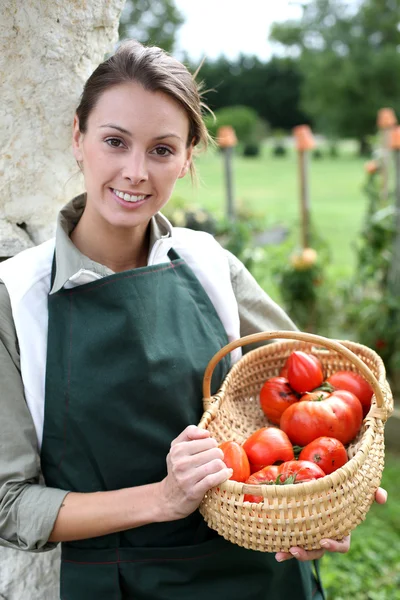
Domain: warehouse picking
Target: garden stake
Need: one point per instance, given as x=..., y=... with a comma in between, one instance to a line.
x=386, y=121
x=226, y=139
x=304, y=143
x=394, y=268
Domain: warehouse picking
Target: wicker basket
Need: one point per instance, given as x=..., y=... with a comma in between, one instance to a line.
x=304, y=513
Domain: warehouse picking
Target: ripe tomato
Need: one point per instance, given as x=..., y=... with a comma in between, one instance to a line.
x=299, y=471
x=337, y=415
x=267, y=446
x=266, y=475
x=326, y=452
x=236, y=458
x=355, y=383
x=304, y=371
x=275, y=397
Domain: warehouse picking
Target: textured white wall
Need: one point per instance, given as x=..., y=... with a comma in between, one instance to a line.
x=48, y=48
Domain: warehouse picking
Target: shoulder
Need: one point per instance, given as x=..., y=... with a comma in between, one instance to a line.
x=34, y=263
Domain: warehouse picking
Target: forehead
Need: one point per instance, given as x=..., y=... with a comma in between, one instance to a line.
x=133, y=107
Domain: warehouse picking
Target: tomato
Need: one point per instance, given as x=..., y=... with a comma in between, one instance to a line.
x=304, y=371
x=353, y=382
x=267, y=446
x=326, y=452
x=275, y=397
x=299, y=471
x=266, y=475
x=337, y=415
x=236, y=458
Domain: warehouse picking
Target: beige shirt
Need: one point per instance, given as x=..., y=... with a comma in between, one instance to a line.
x=28, y=509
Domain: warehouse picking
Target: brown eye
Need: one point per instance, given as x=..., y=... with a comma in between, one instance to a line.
x=162, y=151
x=114, y=142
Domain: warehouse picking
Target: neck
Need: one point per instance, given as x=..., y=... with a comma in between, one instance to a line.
x=119, y=249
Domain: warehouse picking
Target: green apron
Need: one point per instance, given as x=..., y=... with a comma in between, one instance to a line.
x=125, y=361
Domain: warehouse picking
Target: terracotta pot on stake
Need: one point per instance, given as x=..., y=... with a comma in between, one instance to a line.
x=386, y=120
x=226, y=139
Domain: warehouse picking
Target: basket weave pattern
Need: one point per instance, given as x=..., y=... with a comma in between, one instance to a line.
x=300, y=514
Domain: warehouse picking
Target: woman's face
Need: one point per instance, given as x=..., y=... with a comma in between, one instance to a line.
x=133, y=151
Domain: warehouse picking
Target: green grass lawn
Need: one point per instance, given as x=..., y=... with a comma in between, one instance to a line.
x=268, y=186
x=371, y=569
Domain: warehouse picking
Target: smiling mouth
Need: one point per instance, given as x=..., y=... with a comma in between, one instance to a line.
x=129, y=197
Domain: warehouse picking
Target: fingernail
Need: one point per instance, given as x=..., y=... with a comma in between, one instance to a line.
x=324, y=544
x=296, y=554
x=385, y=494
x=279, y=558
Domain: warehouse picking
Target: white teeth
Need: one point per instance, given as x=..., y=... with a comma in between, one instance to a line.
x=128, y=197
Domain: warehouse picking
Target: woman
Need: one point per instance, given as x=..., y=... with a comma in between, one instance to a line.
x=105, y=334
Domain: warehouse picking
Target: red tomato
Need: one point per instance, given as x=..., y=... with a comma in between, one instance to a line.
x=353, y=382
x=267, y=446
x=275, y=397
x=326, y=452
x=266, y=475
x=236, y=458
x=304, y=371
x=337, y=415
x=300, y=471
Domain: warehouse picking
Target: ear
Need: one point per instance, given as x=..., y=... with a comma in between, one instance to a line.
x=77, y=138
x=187, y=163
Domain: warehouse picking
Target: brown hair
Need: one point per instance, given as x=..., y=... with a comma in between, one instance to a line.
x=156, y=71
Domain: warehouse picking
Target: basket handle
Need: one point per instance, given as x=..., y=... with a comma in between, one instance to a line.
x=296, y=335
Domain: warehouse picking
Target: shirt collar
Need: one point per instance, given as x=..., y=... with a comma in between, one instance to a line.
x=70, y=261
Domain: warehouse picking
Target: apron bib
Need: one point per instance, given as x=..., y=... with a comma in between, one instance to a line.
x=125, y=362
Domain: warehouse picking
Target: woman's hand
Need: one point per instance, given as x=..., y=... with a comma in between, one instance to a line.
x=195, y=465
x=342, y=546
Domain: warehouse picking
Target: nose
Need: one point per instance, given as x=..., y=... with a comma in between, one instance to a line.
x=135, y=167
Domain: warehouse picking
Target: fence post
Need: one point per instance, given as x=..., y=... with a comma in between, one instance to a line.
x=226, y=139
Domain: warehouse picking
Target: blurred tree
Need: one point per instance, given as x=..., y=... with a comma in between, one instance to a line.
x=271, y=88
x=153, y=22
x=349, y=59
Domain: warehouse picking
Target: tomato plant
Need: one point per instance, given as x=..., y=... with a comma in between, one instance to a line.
x=326, y=452
x=353, y=382
x=266, y=475
x=275, y=397
x=299, y=471
x=304, y=371
x=267, y=446
x=236, y=458
x=337, y=415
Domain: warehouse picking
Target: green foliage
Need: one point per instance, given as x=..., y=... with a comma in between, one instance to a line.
x=251, y=149
x=153, y=22
x=305, y=290
x=271, y=88
x=243, y=119
x=373, y=311
x=348, y=60
x=371, y=569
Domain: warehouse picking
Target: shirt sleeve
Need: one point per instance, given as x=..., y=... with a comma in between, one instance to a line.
x=28, y=509
x=257, y=311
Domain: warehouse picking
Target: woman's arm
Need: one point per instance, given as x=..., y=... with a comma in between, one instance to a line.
x=194, y=465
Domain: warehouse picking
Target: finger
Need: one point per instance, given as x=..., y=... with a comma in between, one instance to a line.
x=282, y=556
x=341, y=546
x=193, y=447
x=381, y=496
x=304, y=555
x=192, y=432
x=212, y=480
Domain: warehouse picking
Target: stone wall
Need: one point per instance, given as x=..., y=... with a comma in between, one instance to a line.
x=48, y=48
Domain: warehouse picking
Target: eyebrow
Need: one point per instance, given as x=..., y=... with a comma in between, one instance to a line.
x=122, y=130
